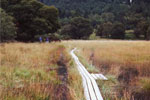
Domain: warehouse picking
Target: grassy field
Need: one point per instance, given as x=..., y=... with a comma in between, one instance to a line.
x=45, y=71
x=125, y=63
x=34, y=72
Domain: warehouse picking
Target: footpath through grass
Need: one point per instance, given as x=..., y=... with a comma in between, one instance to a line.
x=124, y=63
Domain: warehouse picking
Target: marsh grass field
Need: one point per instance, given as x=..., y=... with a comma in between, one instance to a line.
x=33, y=72
x=45, y=71
x=125, y=63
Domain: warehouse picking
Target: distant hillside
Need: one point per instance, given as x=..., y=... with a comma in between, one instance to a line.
x=103, y=15
x=69, y=8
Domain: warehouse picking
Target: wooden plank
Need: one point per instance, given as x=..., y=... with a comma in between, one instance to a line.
x=86, y=91
x=95, y=86
x=89, y=85
x=92, y=91
x=103, y=77
x=85, y=87
x=99, y=76
x=93, y=75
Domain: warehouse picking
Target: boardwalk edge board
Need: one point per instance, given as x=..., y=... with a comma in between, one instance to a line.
x=91, y=89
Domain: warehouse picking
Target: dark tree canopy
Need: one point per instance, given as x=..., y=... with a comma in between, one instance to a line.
x=84, y=8
x=100, y=12
x=78, y=18
x=8, y=29
x=118, y=31
x=141, y=29
x=79, y=28
x=105, y=29
x=148, y=33
x=32, y=18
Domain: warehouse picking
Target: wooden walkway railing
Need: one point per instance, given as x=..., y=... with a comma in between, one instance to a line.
x=90, y=86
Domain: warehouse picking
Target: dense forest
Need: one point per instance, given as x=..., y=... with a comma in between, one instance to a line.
x=105, y=14
x=77, y=19
x=29, y=19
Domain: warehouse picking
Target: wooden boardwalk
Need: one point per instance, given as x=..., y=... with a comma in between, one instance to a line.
x=90, y=86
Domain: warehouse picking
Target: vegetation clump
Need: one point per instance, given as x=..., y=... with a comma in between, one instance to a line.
x=8, y=29
x=31, y=18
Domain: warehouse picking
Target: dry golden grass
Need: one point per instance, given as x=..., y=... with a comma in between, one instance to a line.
x=127, y=60
x=30, y=72
x=115, y=53
x=28, y=55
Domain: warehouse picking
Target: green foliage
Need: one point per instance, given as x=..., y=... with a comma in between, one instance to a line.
x=104, y=30
x=132, y=19
x=130, y=36
x=79, y=28
x=119, y=8
x=141, y=29
x=22, y=73
x=107, y=17
x=107, y=28
x=103, y=11
x=145, y=84
x=95, y=19
x=93, y=36
x=8, y=30
x=118, y=31
x=64, y=21
x=32, y=18
x=148, y=33
x=99, y=30
x=66, y=31
x=107, y=87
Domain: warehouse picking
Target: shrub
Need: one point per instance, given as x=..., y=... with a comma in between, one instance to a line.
x=92, y=36
x=148, y=33
x=8, y=29
x=118, y=31
x=79, y=28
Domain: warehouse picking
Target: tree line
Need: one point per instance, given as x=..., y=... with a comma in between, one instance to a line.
x=27, y=20
x=105, y=15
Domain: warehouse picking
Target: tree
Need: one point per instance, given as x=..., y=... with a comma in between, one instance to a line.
x=7, y=29
x=118, y=31
x=141, y=29
x=66, y=31
x=79, y=28
x=108, y=17
x=148, y=33
x=32, y=18
x=95, y=19
x=99, y=31
x=104, y=30
x=132, y=19
x=107, y=28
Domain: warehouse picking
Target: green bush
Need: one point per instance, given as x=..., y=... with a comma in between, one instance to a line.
x=148, y=33
x=93, y=36
x=7, y=28
x=118, y=31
